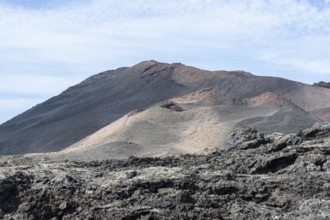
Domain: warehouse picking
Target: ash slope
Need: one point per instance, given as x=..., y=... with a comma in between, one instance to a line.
x=256, y=177
x=107, y=97
x=187, y=124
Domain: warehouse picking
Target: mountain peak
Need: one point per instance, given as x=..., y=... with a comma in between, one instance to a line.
x=212, y=96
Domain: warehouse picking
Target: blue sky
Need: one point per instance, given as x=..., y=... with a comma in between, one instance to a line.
x=46, y=46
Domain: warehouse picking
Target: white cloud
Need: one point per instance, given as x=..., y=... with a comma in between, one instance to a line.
x=101, y=30
x=61, y=44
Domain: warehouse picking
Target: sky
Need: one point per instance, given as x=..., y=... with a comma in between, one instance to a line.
x=48, y=45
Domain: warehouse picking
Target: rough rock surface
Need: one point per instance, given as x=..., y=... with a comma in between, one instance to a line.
x=255, y=177
x=322, y=84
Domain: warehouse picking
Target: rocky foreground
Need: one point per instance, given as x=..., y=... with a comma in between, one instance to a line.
x=255, y=177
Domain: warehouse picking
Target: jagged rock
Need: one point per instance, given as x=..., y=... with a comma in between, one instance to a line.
x=245, y=138
x=172, y=105
x=242, y=182
x=313, y=209
x=322, y=84
x=318, y=131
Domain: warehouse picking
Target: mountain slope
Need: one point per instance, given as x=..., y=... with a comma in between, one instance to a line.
x=104, y=98
x=189, y=124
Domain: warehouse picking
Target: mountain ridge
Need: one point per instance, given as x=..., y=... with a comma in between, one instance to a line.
x=100, y=100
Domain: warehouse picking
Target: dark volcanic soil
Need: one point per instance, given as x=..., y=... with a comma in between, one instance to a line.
x=255, y=177
x=100, y=100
